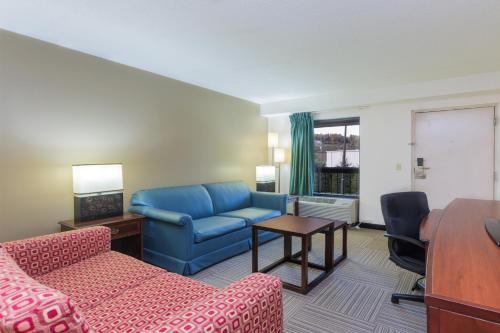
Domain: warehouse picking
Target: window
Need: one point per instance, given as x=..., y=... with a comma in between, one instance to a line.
x=336, y=149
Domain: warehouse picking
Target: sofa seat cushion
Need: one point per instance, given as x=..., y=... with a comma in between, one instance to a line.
x=29, y=306
x=97, y=279
x=253, y=215
x=215, y=226
x=145, y=306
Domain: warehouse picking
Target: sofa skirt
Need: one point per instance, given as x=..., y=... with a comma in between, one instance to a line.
x=197, y=264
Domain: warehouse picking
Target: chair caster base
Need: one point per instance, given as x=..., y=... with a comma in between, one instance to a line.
x=419, y=284
x=414, y=298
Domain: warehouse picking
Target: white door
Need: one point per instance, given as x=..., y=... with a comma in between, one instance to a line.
x=454, y=154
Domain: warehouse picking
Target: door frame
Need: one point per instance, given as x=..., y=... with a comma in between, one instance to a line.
x=451, y=108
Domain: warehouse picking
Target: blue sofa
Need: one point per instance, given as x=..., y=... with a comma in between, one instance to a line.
x=189, y=228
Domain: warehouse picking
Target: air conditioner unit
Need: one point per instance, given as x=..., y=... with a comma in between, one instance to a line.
x=342, y=209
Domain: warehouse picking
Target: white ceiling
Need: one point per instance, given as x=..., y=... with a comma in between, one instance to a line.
x=271, y=50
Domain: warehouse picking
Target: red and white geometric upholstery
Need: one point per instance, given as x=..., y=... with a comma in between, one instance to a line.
x=95, y=280
x=118, y=294
x=253, y=304
x=28, y=306
x=41, y=255
x=142, y=308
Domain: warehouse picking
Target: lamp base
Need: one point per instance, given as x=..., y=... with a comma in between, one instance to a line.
x=93, y=207
x=266, y=186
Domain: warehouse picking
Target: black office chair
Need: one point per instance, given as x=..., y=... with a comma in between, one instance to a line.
x=403, y=212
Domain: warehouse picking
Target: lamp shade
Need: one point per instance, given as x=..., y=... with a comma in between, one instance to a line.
x=279, y=155
x=272, y=139
x=265, y=173
x=96, y=178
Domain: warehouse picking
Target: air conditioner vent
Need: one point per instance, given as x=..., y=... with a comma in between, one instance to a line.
x=330, y=208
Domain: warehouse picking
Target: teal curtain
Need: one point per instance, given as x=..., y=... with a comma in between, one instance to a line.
x=302, y=166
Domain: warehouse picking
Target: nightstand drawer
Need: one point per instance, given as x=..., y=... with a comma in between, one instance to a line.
x=125, y=229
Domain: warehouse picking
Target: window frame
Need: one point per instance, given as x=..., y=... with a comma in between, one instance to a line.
x=335, y=123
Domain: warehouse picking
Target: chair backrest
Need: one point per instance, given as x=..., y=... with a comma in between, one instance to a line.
x=403, y=212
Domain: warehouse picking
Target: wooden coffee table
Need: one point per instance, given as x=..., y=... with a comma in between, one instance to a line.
x=303, y=227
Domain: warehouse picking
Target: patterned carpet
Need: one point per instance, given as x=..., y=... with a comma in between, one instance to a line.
x=355, y=298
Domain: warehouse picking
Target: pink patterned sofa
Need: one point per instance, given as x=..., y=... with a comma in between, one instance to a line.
x=73, y=282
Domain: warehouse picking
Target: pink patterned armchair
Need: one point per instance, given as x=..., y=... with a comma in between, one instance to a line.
x=73, y=282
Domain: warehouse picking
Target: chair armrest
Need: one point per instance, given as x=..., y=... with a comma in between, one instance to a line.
x=406, y=239
x=275, y=201
x=161, y=215
x=252, y=304
x=44, y=254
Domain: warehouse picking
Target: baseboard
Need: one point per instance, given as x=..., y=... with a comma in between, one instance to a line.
x=372, y=226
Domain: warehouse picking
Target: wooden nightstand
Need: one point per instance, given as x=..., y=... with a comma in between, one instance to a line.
x=126, y=232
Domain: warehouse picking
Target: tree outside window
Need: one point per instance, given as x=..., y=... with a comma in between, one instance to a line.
x=336, y=149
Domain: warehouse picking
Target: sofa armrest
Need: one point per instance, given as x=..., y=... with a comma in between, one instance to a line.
x=161, y=215
x=252, y=304
x=44, y=254
x=166, y=232
x=25, y=301
x=268, y=200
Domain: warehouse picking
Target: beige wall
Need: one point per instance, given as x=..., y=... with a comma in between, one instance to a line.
x=386, y=134
x=59, y=107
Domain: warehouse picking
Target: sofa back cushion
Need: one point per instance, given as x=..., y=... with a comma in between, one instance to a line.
x=192, y=200
x=44, y=254
x=28, y=306
x=229, y=196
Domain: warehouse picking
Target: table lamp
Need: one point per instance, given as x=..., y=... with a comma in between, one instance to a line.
x=266, y=178
x=98, y=191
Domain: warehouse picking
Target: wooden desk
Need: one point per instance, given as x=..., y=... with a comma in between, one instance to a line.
x=463, y=269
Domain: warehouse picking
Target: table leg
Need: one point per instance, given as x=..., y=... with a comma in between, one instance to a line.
x=141, y=241
x=341, y=257
x=255, y=250
x=305, y=253
x=287, y=251
x=329, y=239
x=344, y=241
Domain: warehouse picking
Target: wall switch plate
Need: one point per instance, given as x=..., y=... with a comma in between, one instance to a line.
x=398, y=167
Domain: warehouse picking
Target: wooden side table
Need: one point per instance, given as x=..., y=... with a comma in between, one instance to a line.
x=303, y=227
x=126, y=232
